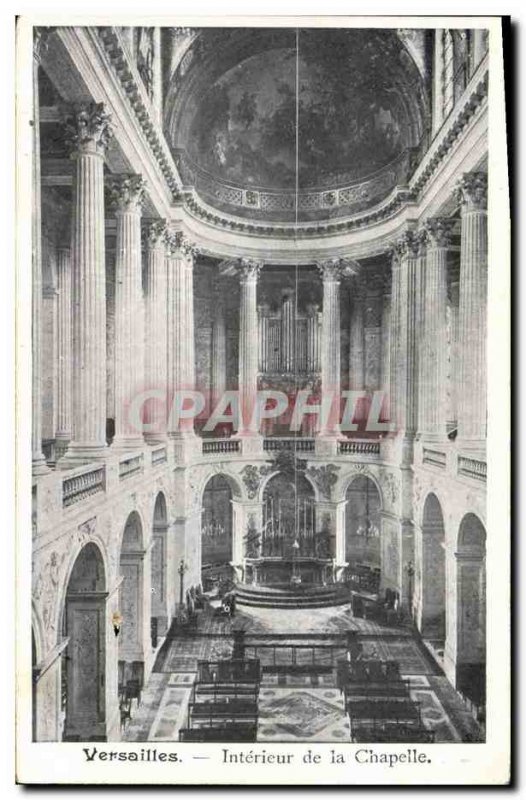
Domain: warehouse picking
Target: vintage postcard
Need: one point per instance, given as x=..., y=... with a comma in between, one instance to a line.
x=263, y=401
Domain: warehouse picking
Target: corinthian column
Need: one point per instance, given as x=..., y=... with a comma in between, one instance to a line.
x=63, y=431
x=472, y=311
x=218, y=367
x=181, y=348
x=433, y=381
x=127, y=195
x=405, y=363
x=248, y=347
x=90, y=133
x=156, y=373
x=38, y=460
x=331, y=272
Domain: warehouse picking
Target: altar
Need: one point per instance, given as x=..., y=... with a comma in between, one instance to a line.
x=293, y=572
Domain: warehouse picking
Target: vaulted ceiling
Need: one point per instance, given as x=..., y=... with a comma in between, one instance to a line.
x=272, y=109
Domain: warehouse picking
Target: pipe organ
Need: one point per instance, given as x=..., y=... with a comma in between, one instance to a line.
x=289, y=340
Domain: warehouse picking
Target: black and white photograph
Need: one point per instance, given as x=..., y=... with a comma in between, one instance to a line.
x=260, y=271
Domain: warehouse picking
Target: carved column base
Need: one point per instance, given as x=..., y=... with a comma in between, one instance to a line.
x=79, y=454
x=185, y=447
x=251, y=445
x=326, y=445
x=127, y=444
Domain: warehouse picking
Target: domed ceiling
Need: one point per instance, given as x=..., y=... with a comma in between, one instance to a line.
x=320, y=109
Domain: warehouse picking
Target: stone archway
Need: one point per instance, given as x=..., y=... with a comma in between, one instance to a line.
x=431, y=573
x=363, y=523
x=289, y=517
x=216, y=530
x=471, y=609
x=135, y=600
x=159, y=570
x=85, y=626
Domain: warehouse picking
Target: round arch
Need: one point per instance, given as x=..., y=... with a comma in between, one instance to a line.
x=159, y=569
x=471, y=609
x=363, y=522
x=232, y=480
x=346, y=480
x=217, y=526
x=135, y=597
x=267, y=478
x=85, y=625
x=431, y=572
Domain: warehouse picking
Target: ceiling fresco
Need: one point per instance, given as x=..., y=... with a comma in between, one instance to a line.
x=352, y=117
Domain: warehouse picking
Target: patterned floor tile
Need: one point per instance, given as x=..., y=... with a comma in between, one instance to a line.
x=302, y=715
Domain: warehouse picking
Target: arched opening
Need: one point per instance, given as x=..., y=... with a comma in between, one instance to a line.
x=159, y=561
x=289, y=518
x=134, y=605
x=84, y=624
x=433, y=573
x=471, y=610
x=363, y=526
x=216, y=532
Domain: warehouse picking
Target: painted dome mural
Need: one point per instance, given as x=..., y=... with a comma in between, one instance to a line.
x=325, y=111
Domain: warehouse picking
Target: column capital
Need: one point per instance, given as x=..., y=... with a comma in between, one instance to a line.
x=88, y=128
x=438, y=231
x=127, y=192
x=155, y=233
x=179, y=245
x=249, y=270
x=334, y=269
x=407, y=245
x=472, y=191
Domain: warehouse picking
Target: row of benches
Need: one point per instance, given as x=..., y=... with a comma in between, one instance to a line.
x=379, y=703
x=223, y=706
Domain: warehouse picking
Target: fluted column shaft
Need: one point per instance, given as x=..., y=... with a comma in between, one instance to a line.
x=421, y=239
x=248, y=346
x=357, y=337
x=263, y=311
x=452, y=415
x=156, y=338
x=288, y=333
x=433, y=381
x=127, y=194
x=38, y=461
x=181, y=348
x=64, y=329
x=218, y=346
x=91, y=133
x=330, y=345
x=472, y=311
x=385, y=377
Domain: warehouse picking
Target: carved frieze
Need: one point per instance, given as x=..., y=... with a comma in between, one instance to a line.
x=324, y=477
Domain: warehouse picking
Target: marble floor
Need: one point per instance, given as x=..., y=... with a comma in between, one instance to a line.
x=295, y=707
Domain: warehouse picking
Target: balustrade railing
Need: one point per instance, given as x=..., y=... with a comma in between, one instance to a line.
x=220, y=446
x=472, y=468
x=298, y=445
x=131, y=466
x=360, y=447
x=434, y=457
x=79, y=487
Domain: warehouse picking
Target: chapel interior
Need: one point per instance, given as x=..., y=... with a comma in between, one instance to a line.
x=228, y=211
